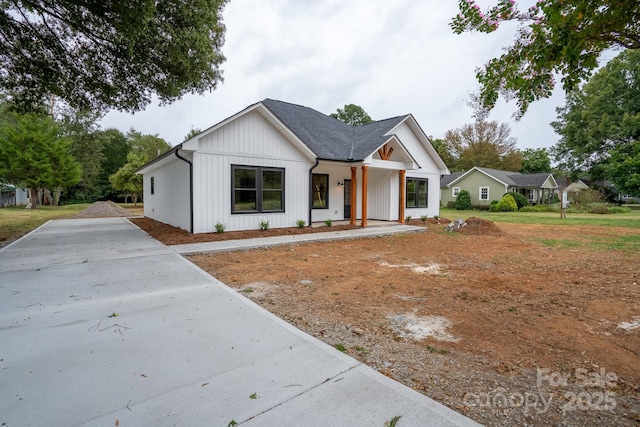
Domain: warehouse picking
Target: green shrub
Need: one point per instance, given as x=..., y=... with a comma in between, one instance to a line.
x=263, y=225
x=493, y=206
x=521, y=201
x=423, y=218
x=507, y=204
x=598, y=208
x=328, y=222
x=408, y=218
x=220, y=227
x=529, y=209
x=301, y=223
x=619, y=209
x=463, y=200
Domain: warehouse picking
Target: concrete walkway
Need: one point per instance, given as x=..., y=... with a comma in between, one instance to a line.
x=261, y=242
x=102, y=325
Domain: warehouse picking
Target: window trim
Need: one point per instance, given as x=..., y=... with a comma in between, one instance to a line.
x=259, y=188
x=313, y=193
x=480, y=193
x=455, y=193
x=153, y=185
x=406, y=196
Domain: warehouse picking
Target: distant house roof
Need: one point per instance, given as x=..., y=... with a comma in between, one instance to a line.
x=512, y=179
x=329, y=138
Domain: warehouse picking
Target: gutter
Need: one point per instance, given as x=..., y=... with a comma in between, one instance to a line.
x=311, y=190
x=178, y=148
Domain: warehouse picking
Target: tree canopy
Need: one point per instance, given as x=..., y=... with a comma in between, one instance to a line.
x=535, y=160
x=599, y=126
x=115, y=54
x=34, y=155
x=352, y=115
x=554, y=37
x=483, y=144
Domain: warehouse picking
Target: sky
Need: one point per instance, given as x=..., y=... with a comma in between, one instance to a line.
x=390, y=57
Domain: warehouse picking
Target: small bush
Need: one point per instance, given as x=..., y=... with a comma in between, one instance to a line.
x=408, y=218
x=423, y=218
x=263, y=225
x=463, y=200
x=507, y=204
x=301, y=223
x=220, y=227
x=619, y=209
x=521, y=201
x=529, y=209
x=598, y=208
x=493, y=206
x=328, y=222
x=436, y=217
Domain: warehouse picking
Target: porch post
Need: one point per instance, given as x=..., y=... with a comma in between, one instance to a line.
x=365, y=177
x=401, y=213
x=354, y=199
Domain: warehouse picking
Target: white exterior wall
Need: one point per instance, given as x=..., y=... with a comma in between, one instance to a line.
x=170, y=201
x=428, y=169
x=249, y=141
x=383, y=200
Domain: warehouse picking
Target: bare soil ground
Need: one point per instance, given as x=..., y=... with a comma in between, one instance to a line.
x=489, y=321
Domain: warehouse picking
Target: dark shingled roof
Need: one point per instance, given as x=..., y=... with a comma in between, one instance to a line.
x=448, y=179
x=513, y=179
x=329, y=138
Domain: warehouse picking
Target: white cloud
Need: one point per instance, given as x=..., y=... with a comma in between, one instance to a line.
x=391, y=58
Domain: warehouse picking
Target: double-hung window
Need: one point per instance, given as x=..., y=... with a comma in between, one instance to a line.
x=417, y=192
x=257, y=189
x=484, y=193
x=455, y=192
x=320, y=190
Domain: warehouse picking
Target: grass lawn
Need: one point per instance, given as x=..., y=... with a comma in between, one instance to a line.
x=16, y=221
x=631, y=219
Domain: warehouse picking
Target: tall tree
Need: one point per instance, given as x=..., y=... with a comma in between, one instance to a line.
x=483, y=144
x=192, y=132
x=148, y=147
x=34, y=155
x=352, y=115
x=442, y=148
x=554, y=37
x=125, y=179
x=535, y=160
x=117, y=54
x=599, y=126
x=114, y=151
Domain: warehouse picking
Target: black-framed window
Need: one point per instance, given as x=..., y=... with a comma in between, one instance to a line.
x=257, y=189
x=153, y=185
x=417, y=192
x=320, y=190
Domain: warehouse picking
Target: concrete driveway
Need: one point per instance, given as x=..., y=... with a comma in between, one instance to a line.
x=102, y=325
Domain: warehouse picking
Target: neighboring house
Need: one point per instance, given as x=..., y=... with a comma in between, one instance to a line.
x=10, y=195
x=280, y=162
x=485, y=185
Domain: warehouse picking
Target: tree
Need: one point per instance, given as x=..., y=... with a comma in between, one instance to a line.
x=192, y=132
x=535, y=160
x=483, y=144
x=553, y=37
x=114, y=151
x=34, y=155
x=125, y=179
x=352, y=114
x=443, y=151
x=599, y=126
x=148, y=147
x=116, y=54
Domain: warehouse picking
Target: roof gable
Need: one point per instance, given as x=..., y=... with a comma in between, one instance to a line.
x=511, y=179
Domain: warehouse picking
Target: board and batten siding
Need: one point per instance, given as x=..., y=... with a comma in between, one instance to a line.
x=248, y=141
x=428, y=170
x=170, y=202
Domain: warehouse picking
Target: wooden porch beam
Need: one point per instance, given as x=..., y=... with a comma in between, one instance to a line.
x=354, y=194
x=365, y=177
x=402, y=180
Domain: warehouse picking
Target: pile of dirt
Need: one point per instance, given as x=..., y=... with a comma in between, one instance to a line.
x=103, y=210
x=479, y=226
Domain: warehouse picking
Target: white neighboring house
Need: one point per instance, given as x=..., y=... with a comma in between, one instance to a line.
x=281, y=162
x=10, y=195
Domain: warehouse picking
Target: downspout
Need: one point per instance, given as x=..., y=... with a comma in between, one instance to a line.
x=190, y=186
x=310, y=189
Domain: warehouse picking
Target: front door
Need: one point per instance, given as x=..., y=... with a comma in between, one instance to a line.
x=347, y=199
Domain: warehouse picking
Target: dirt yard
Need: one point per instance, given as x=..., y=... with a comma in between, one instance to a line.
x=494, y=322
